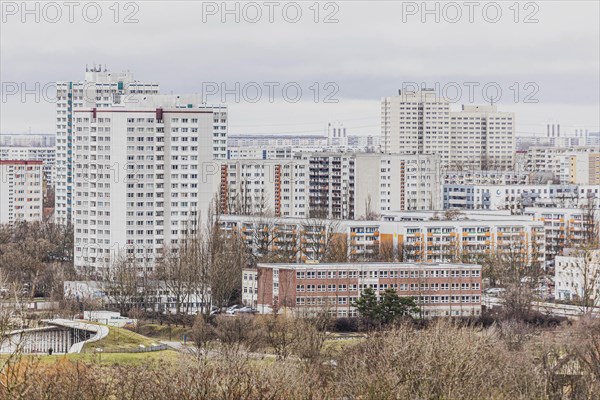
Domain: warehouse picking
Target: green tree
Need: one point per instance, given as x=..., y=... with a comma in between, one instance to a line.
x=367, y=305
x=391, y=306
x=385, y=309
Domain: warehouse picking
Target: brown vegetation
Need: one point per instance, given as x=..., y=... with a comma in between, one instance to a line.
x=442, y=361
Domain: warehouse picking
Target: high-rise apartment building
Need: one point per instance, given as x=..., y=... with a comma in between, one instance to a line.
x=21, y=191
x=100, y=89
x=331, y=185
x=517, y=197
x=481, y=137
x=478, y=137
x=143, y=170
x=397, y=182
x=277, y=188
x=46, y=154
x=578, y=164
x=417, y=122
x=27, y=140
x=331, y=179
x=566, y=227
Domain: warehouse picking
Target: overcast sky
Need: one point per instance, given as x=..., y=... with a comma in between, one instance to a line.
x=372, y=49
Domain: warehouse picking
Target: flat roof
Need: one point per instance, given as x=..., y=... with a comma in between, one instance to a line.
x=365, y=265
x=22, y=162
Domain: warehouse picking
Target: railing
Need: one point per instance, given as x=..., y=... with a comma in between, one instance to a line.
x=141, y=349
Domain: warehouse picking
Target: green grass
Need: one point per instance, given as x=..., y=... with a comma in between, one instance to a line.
x=164, y=332
x=336, y=346
x=119, y=339
x=112, y=358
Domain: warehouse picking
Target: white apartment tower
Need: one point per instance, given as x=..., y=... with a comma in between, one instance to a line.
x=46, y=154
x=416, y=122
x=397, y=182
x=482, y=138
x=478, y=137
x=100, y=89
x=21, y=191
x=143, y=170
x=277, y=188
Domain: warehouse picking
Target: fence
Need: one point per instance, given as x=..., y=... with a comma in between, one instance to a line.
x=141, y=349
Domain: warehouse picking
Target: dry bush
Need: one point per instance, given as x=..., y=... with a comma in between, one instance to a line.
x=515, y=333
x=202, y=333
x=443, y=361
x=240, y=334
x=228, y=377
x=584, y=348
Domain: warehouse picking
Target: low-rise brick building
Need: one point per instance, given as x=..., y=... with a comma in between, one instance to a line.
x=303, y=289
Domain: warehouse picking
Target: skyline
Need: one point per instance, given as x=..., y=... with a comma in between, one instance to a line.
x=559, y=54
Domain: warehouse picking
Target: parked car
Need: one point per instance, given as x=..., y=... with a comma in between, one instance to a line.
x=231, y=310
x=495, y=291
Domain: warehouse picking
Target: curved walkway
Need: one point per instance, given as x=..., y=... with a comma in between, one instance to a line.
x=99, y=331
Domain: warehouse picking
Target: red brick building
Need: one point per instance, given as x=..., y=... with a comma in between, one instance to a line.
x=438, y=289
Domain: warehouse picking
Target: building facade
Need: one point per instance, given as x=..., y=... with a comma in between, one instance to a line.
x=568, y=164
x=21, y=191
x=252, y=146
x=397, y=182
x=278, y=188
x=46, y=154
x=143, y=173
x=566, y=227
x=405, y=236
x=154, y=296
x=99, y=89
x=517, y=197
x=482, y=138
x=306, y=289
x=331, y=185
x=469, y=177
x=476, y=138
x=577, y=278
x=27, y=140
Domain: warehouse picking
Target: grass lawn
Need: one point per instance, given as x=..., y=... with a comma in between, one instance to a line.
x=164, y=332
x=112, y=358
x=333, y=346
x=119, y=338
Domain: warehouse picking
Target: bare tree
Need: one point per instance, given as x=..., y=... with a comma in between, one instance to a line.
x=228, y=257
x=370, y=214
x=518, y=268
x=173, y=270
x=262, y=237
x=121, y=283
x=587, y=267
x=591, y=223
x=319, y=238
